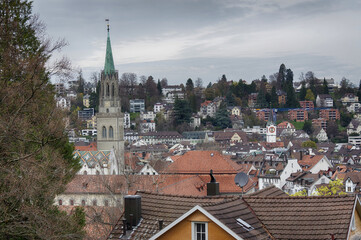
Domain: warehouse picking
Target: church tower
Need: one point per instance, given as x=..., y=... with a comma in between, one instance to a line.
x=271, y=129
x=110, y=129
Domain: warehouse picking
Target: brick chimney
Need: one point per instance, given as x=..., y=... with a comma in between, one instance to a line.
x=212, y=186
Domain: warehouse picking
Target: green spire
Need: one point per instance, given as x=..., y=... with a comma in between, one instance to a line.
x=109, y=63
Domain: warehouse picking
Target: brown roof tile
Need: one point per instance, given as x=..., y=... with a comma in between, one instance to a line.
x=304, y=217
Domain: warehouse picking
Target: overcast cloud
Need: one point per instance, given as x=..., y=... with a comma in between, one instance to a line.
x=179, y=39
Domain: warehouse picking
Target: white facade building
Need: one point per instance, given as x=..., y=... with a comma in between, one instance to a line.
x=158, y=107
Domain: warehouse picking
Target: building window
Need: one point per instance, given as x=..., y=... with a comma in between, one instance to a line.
x=104, y=132
x=71, y=202
x=97, y=172
x=60, y=202
x=83, y=202
x=199, y=231
x=85, y=173
x=94, y=202
x=111, y=132
x=106, y=203
x=348, y=189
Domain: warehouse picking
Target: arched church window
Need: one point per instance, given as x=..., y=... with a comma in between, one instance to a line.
x=113, y=90
x=108, y=90
x=104, y=132
x=111, y=134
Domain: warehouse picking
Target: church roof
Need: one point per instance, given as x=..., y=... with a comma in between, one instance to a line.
x=109, y=63
x=93, y=158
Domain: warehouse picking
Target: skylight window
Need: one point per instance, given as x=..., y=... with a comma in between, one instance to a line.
x=244, y=224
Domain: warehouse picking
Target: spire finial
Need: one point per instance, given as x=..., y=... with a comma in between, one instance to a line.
x=107, y=20
x=109, y=63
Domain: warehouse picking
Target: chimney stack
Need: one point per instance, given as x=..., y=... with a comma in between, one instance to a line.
x=212, y=186
x=160, y=222
x=132, y=209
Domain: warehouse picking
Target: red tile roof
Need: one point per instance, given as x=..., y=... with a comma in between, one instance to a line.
x=202, y=162
x=91, y=147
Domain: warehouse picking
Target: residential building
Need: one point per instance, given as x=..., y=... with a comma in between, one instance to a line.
x=262, y=215
x=147, y=116
x=158, y=107
x=252, y=100
x=170, y=137
x=298, y=115
x=147, y=126
x=324, y=100
x=315, y=163
x=60, y=89
x=349, y=98
x=86, y=114
x=170, y=97
x=320, y=134
x=319, y=123
x=285, y=125
x=171, y=88
x=63, y=103
x=354, y=107
x=92, y=122
x=330, y=114
x=307, y=181
x=264, y=114
x=89, y=132
x=195, y=121
x=86, y=101
x=235, y=110
x=131, y=136
x=307, y=105
x=282, y=95
x=126, y=120
x=354, y=140
x=208, y=108
x=137, y=105
x=230, y=138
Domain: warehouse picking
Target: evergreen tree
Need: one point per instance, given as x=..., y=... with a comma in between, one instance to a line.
x=222, y=119
x=281, y=77
x=189, y=86
x=325, y=87
x=291, y=100
x=36, y=158
x=303, y=92
x=274, y=98
x=261, y=99
x=80, y=81
x=182, y=112
x=159, y=87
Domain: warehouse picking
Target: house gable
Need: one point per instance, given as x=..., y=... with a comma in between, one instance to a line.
x=181, y=228
x=354, y=231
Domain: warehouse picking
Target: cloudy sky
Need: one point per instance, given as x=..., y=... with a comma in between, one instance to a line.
x=181, y=39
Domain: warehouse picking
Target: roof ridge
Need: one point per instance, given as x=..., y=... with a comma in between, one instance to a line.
x=184, y=196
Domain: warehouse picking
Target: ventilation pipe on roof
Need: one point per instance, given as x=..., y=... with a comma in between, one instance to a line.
x=132, y=209
x=160, y=223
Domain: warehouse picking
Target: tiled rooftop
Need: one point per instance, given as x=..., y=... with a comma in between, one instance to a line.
x=304, y=217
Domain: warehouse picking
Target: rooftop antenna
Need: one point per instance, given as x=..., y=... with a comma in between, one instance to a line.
x=241, y=180
x=107, y=20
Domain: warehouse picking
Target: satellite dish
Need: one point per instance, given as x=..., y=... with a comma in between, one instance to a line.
x=241, y=179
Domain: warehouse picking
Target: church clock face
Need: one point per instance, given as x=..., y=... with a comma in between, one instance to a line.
x=272, y=129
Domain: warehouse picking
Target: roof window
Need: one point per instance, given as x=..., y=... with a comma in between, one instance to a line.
x=244, y=224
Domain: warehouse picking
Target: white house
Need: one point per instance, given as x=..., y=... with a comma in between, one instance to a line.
x=63, y=103
x=354, y=107
x=324, y=100
x=208, y=108
x=158, y=107
x=354, y=127
x=147, y=116
x=278, y=177
x=321, y=135
x=315, y=163
x=147, y=126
